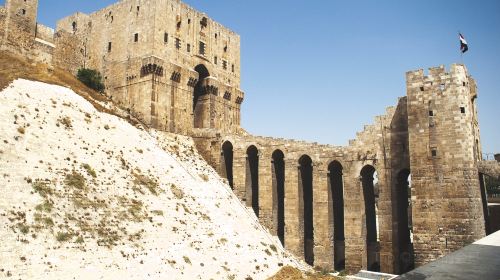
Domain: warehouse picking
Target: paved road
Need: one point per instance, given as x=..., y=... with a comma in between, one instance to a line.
x=480, y=261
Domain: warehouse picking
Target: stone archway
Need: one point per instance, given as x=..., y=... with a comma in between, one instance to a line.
x=278, y=186
x=404, y=222
x=372, y=244
x=201, y=101
x=227, y=162
x=252, y=178
x=336, y=208
x=306, y=206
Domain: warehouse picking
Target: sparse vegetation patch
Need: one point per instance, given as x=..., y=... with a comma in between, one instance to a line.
x=91, y=78
x=89, y=170
x=65, y=122
x=149, y=183
x=75, y=180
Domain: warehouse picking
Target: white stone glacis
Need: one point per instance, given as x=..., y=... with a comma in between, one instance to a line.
x=204, y=233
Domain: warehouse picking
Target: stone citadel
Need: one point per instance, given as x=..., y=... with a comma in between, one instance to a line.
x=405, y=192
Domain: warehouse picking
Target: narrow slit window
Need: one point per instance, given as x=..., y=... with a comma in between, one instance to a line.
x=136, y=37
x=165, y=38
x=109, y=46
x=224, y=65
x=188, y=48
x=215, y=60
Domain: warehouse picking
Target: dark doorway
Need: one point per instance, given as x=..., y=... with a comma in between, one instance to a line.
x=306, y=206
x=367, y=181
x=278, y=176
x=404, y=223
x=199, y=104
x=227, y=162
x=336, y=185
x=484, y=201
x=252, y=179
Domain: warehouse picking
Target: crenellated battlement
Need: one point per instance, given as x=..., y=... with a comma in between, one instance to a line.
x=436, y=76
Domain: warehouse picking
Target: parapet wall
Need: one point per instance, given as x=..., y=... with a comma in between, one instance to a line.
x=44, y=33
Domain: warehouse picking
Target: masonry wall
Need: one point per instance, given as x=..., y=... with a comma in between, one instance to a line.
x=122, y=39
x=3, y=18
x=44, y=33
x=371, y=147
x=150, y=53
x=447, y=211
x=21, y=34
x=19, y=26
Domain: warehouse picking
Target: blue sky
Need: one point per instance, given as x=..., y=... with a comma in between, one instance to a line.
x=320, y=70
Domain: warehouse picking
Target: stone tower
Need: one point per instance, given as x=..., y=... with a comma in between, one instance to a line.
x=173, y=67
x=24, y=11
x=19, y=26
x=447, y=208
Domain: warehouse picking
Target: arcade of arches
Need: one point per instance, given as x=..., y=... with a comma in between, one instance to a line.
x=312, y=204
x=393, y=199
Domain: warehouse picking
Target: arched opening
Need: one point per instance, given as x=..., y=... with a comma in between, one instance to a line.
x=372, y=245
x=227, y=162
x=252, y=179
x=278, y=177
x=336, y=186
x=200, y=104
x=404, y=223
x=306, y=206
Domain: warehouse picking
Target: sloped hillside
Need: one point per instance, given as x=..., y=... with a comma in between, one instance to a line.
x=85, y=195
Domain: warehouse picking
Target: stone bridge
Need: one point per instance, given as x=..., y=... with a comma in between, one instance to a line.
x=353, y=207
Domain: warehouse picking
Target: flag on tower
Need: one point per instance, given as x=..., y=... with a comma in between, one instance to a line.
x=463, y=44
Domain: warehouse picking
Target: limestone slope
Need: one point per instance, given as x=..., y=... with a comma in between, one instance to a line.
x=85, y=195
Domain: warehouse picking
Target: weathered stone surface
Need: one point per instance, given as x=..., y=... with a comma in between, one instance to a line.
x=490, y=168
x=179, y=71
